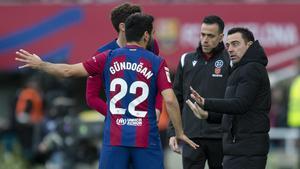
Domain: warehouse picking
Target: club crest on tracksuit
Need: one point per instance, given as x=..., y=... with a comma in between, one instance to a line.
x=218, y=68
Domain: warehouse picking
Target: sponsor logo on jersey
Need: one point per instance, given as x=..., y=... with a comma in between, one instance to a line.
x=121, y=121
x=129, y=121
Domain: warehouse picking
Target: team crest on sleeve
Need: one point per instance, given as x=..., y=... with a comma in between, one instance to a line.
x=94, y=59
x=218, y=68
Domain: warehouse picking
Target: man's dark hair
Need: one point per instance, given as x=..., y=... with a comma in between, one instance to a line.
x=136, y=25
x=213, y=19
x=120, y=13
x=247, y=35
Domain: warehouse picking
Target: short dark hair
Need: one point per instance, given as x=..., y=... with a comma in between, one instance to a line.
x=213, y=19
x=247, y=35
x=136, y=25
x=120, y=13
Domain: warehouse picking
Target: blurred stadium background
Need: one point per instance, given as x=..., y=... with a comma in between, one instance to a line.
x=58, y=131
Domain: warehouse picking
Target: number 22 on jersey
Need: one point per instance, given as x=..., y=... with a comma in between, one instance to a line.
x=123, y=91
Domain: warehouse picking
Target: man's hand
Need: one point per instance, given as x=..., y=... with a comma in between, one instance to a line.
x=184, y=138
x=30, y=60
x=195, y=95
x=174, y=145
x=197, y=110
x=57, y=69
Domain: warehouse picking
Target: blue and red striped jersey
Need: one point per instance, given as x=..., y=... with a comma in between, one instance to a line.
x=94, y=84
x=109, y=46
x=132, y=76
x=153, y=47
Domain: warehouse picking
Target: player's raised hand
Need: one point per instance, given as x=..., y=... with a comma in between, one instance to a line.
x=197, y=110
x=196, y=96
x=184, y=138
x=30, y=60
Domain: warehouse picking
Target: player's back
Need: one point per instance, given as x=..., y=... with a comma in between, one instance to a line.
x=130, y=76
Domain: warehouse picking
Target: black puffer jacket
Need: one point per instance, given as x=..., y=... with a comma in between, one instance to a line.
x=208, y=77
x=246, y=105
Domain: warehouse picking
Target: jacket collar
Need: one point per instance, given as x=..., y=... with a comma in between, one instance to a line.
x=220, y=48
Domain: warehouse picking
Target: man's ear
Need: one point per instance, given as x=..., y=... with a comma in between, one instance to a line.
x=249, y=43
x=146, y=36
x=122, y=26
x=221, y=37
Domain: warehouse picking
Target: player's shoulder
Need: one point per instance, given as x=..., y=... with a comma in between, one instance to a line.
x=108, y=46
x=152, y=55
x=101, y=55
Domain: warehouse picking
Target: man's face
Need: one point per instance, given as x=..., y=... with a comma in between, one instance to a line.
x=210, y=37
x=236, y=47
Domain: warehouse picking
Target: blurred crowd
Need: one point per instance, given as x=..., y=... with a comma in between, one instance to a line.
x=285, y=100
x=45, y=127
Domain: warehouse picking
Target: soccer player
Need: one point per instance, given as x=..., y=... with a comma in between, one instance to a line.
x=132, y=77
x=94, y=84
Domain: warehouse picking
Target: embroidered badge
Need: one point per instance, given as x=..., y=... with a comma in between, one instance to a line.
x=218, y=66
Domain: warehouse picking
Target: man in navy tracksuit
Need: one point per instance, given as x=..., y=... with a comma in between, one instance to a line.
x=206, y=70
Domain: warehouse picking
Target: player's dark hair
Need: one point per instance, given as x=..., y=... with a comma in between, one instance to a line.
x=120, y=13
x=136, y=25
x=213, y=19
x=247, y=35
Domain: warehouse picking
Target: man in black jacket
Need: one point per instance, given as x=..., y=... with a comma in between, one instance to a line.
x=246, y=104
x=207, y=70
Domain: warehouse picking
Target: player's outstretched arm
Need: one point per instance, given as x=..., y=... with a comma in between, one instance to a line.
x=62, y=70
x=174, y=114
